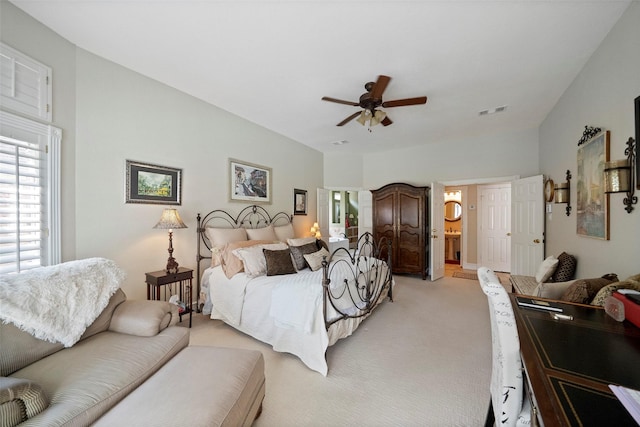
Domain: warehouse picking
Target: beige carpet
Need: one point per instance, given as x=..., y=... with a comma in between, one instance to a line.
x=422, y=360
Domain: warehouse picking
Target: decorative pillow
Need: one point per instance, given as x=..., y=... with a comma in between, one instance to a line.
x=300, y=241
x=546, y=269
x=315, y=259
x=635, y=278
x=284, y=232
x=22, y=399
x=611, y=288
x=265, y=233
x=253, y=258
x=298, y=253
x=566, y=268
x=231, y=264
x=218, y=237
x=278, y=262
x=584, y=290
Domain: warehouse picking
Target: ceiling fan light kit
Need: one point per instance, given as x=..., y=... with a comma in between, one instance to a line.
x=371, y=100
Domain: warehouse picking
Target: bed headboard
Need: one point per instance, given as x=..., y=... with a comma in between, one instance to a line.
x=253, y=216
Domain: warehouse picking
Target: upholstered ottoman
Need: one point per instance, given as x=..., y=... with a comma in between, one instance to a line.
x=200, y=386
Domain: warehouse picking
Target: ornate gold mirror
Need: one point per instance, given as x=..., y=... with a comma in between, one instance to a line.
x=452, y=210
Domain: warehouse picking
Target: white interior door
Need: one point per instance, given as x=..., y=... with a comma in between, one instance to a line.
x=323, y=212
x=436, y=252
x=527, y=240
x=495, y=226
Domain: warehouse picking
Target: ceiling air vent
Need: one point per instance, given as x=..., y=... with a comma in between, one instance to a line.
x=492, y=110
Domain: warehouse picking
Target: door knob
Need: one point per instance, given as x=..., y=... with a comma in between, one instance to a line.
x=508, y=234
x=536, y=241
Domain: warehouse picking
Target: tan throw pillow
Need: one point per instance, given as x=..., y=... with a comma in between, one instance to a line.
x=298, y=253
x=231, y=264
x=546, y=269
x=608, y=290
x=583, y=291
x=284, y=232
x=315, y=259
x=279, y=262
x=265, y=233
x=218, y=237
x=300, y=241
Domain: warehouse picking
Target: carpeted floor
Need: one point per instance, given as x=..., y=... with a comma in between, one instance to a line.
x=422, y=360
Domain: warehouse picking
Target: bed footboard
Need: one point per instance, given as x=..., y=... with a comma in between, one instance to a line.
x=356, y=281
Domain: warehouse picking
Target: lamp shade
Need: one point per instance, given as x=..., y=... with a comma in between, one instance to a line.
x=561, y=193
x=170, y=220
x=617, y=176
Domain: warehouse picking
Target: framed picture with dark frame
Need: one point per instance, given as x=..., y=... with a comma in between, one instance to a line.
x=637, y=102
x=299, y=202
x=593, y=203
x=153, y=184
x=249, y=182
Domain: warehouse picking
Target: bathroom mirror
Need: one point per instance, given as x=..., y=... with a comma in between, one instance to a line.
x=452, y=210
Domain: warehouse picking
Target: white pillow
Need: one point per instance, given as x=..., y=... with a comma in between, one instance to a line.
x=284, y=232
x=265, y=233
x=301, y=241
x=315, y=259
x=255, y=264
x=546, y=269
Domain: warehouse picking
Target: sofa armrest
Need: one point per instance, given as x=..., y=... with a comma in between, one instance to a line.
x=143, y=318
x=552, y=290
x=20, y=400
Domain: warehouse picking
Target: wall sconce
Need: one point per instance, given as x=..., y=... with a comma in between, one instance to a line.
x=315, y=230
x=170, y=220
x=619, y=176
x=562, y=193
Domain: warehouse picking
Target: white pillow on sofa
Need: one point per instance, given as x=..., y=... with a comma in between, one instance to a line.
x=546, y=269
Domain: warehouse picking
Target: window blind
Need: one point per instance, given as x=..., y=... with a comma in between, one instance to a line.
x=23, y=205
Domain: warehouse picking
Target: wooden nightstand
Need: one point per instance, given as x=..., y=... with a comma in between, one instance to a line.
x=182, y=281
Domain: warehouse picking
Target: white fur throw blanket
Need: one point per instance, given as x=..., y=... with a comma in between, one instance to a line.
x=57, y=303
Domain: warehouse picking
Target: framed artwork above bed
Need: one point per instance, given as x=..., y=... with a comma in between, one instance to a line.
x=147, y=183
x=249, y=182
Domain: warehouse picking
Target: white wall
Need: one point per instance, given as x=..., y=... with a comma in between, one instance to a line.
x=109, y=114
x=601, y=95
x=124, y=115
x=513, y=153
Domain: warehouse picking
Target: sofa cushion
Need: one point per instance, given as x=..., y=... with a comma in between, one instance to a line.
x=103, y=321
x=566, y=268
x=582, y=291
x=231, y=395
x=143, y=318
x=20, y=400
x=84, y=381
x=24, y=349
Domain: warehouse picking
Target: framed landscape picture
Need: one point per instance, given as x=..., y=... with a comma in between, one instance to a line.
x=593, y=202
x=147, y=183
x=249, y=182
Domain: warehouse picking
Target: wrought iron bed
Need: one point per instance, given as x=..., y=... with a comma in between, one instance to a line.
x=353, y=281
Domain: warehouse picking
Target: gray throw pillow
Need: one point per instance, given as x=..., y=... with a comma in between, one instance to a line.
x=298, y=253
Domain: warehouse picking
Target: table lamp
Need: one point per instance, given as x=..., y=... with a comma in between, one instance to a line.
x=170, y=220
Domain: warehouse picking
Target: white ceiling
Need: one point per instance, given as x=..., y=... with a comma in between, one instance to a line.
x=270, y=62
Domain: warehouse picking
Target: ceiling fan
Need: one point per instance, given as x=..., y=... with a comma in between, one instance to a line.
x=371, y=100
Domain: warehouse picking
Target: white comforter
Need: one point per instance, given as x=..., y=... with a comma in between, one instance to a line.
x=284, y=311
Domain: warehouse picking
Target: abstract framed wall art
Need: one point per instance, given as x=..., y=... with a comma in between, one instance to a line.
x=299, y=202
x=593, y=203
x=249, y=182
x=153, y=184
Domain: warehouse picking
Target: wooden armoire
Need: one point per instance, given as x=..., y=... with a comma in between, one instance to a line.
x=400, y=213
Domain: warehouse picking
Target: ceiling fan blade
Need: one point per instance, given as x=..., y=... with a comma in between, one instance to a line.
x=380, y=86
x=348, y=119
x=339, y=101
x=386, y=121
x=404, y=102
